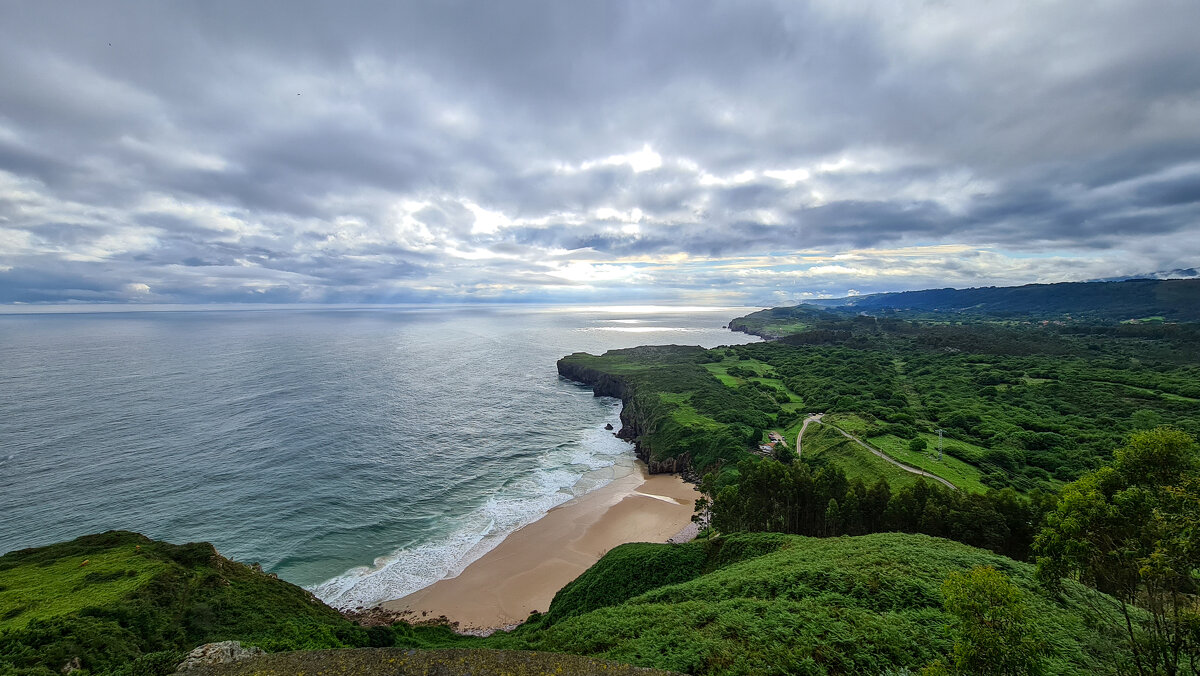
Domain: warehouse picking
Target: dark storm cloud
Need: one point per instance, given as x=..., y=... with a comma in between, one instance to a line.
x=404, y=152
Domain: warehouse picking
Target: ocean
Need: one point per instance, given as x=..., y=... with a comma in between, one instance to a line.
x=362, y=453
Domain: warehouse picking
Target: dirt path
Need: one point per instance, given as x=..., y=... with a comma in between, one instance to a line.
x=880, y=454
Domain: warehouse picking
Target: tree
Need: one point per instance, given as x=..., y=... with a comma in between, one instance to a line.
x=992, y=630
x=833, y=517
x=917, y=445
x=1129, y=530
x=784, y=453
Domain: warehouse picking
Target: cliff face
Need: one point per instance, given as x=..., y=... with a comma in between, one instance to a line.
x=603, y=384
x=761, y=332
x=634, y=423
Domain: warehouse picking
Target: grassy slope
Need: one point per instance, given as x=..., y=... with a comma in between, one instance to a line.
x=822, y=442
x=40, y=589
x=138, y=598
x=958, y=472
x=759, y=603
x=790, y=604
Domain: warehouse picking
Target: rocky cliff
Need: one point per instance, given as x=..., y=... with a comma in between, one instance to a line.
x=634, y=417
x=603, y=384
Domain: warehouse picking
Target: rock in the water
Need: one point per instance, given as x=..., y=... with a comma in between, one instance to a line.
x=225, y=652
x=608, y=426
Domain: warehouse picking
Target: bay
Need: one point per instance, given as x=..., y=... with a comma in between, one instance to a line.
x=363, y=453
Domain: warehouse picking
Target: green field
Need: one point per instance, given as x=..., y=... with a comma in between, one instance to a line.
x=963, y=475
x=827, y=444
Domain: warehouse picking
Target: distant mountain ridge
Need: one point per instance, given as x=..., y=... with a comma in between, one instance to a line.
x=1170, y=299
x=1178, y=273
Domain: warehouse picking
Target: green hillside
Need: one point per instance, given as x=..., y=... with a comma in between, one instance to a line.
x=776, y=604
x=763, y=603
x=1171, y=300
x=123, y=603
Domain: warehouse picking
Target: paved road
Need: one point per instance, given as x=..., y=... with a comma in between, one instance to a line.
x=811, y=418
x=876, y=451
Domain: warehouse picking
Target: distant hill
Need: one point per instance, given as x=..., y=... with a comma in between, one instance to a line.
x=1171, y=300
x=1178, y=273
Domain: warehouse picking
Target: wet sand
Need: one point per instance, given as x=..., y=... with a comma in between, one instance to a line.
x=523, y=573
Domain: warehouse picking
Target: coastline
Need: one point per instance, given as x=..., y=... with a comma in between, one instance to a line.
x=524, y=572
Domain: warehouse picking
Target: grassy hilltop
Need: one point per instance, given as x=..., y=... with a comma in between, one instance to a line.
x=124, y=603
x=757, y=603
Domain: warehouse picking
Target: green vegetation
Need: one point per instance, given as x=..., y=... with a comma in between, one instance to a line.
x=399, y=662
x=1129, y=529
x=994, y=633
x=779, y=322
x=1175, y=300
x=961, y=473
x=756, y=603
x=1024, y=408
x=794, y=498
x=1027, y=406
x=789, y=604
x=137, y=605
x=825, y=445
x=1015, y=410
x=40, y=588
x=680, y=412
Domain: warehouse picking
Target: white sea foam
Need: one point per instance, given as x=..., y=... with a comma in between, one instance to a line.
x=567, y=471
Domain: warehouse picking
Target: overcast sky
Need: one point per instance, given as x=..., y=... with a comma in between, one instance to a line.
x=737, y=152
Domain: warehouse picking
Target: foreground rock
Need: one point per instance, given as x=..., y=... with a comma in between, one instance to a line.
x=225, y=652
x=397, y=662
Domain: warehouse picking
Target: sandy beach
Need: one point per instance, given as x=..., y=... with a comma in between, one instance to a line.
x=524, y=572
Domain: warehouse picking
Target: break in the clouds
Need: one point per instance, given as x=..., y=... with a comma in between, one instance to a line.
x=751, y=152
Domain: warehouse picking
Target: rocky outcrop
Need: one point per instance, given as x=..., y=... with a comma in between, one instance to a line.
x=632, y=426
x=761, y=332
x=633, y=429
x=603, y=384
x=209, y=654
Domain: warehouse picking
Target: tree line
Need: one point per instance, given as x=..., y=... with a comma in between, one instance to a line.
x=801, y=499
x=1130, y=528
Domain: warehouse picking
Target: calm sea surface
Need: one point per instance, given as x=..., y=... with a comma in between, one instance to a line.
x=362, y=453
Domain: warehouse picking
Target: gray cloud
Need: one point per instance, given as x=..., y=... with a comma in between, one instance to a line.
x=749, y=151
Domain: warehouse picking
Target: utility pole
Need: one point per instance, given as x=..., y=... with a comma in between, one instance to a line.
x=940, y=430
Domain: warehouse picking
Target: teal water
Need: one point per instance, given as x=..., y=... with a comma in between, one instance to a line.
x=362, y=453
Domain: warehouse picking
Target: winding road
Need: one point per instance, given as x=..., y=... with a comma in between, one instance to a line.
x=907, y=468
x=812, y=418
